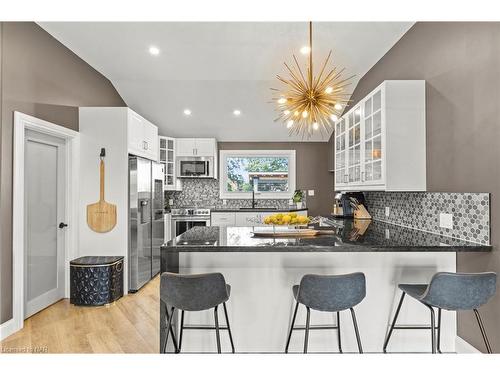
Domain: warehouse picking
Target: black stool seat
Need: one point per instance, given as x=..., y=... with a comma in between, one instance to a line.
x=414, y=290
x=448, y=291
x=329, y=293
x=196, y=292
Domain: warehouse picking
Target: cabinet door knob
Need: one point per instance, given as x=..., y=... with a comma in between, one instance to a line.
x=62, y=225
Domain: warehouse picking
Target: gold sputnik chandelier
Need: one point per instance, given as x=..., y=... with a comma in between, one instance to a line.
x=311, y=103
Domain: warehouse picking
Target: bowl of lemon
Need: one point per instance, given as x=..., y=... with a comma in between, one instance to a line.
x=287, y=219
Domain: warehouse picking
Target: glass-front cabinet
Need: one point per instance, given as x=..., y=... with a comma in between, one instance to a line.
x=390, y=118
x=340, y=153
x=372, y=138
x=354, y=145
x=167, y=158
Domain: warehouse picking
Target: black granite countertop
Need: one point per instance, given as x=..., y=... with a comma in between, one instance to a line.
x=351, y=236
x=257, y=209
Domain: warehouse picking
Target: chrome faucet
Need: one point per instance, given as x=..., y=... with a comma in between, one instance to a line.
x=254, y=203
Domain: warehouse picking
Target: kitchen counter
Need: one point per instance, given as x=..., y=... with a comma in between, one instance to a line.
x=258, y=209
x=262, y=271
x=351, y=236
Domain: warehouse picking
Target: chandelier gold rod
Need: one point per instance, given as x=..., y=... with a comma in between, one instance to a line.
x=310, y=54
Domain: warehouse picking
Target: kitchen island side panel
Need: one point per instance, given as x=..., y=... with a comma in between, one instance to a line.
x=261, y=302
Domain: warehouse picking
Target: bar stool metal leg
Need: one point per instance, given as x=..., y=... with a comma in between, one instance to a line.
x=228, y=327
x=291, y=327
x=216, y=317
x=393, y=322
x=354, y=322
x=170, y=330
x=439, y=331
x=483, y=331
x=181, y=330
x=306, y=337
x=433, y=330
x=338, y=332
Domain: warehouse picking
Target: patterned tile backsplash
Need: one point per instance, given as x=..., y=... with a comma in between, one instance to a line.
x=198, y=192
x=420, y=210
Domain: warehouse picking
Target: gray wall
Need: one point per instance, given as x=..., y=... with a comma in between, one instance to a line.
x=461, y=65
x=312, y=164
x=40, y=77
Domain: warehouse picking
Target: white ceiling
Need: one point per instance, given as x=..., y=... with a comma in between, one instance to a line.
x=213, y=68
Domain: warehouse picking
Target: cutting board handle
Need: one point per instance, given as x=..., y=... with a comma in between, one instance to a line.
x=101, y=173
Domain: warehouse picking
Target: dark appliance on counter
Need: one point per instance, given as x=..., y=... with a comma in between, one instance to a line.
x=184, y=219
x=96, y=280
x=146, y=220
x=345, y=201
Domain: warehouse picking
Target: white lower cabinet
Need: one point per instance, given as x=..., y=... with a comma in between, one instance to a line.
x=219, y=219
x=243, y=219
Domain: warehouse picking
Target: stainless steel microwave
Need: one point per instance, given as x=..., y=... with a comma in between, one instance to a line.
x=195, y=167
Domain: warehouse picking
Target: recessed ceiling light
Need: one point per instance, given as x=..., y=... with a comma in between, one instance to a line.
x=187, y=112
x=338, y=107
x=155, y=51
x=236, y=112
x=305, y=50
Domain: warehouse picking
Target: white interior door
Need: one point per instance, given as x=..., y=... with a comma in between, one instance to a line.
x=45, y=197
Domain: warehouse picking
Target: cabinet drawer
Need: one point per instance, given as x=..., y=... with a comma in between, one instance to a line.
x=222, y=219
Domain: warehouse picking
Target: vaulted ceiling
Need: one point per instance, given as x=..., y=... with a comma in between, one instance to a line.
x=213, y=68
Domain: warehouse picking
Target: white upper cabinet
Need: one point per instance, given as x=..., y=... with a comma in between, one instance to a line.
x=196, y=147
x=167, y=152
x=142, y=136
x=206, y=147
x=380, y=142
x=186, y=146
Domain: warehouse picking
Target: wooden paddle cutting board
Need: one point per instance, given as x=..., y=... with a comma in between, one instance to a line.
x=101, y=216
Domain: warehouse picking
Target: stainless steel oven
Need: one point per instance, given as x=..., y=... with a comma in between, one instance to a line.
x=184, y=219
x=195, y=167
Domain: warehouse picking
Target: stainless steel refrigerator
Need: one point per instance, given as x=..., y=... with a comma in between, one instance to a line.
x=146, y=221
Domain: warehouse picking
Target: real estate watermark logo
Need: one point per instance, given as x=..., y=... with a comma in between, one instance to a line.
x=25, y=349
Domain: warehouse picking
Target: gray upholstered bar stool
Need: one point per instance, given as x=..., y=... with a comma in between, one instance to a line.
x=448, y=291
x=194, y=293
x=329, y=293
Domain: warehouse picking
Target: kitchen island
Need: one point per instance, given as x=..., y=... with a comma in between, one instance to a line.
x=261, y=272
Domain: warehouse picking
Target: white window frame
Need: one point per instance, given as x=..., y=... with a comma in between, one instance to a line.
x=223, y=154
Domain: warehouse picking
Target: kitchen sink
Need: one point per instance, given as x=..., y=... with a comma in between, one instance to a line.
x=258, y=209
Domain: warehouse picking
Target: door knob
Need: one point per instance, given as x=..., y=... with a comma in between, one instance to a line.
x=62, y=225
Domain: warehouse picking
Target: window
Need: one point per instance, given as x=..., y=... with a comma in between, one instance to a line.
x=270, y=173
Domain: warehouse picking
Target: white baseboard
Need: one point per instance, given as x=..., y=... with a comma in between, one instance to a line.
x=463, y=347
x=8, y=328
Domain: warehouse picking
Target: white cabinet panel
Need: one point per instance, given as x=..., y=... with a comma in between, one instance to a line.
x=223, y=219
x=142, y=136
x=197, y=147
x=249, y=219
x=135, y=139
x=150, y=135
x=205, y=147
x=186, y=146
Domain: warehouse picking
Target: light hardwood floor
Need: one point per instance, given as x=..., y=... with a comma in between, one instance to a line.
x=130, y=325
